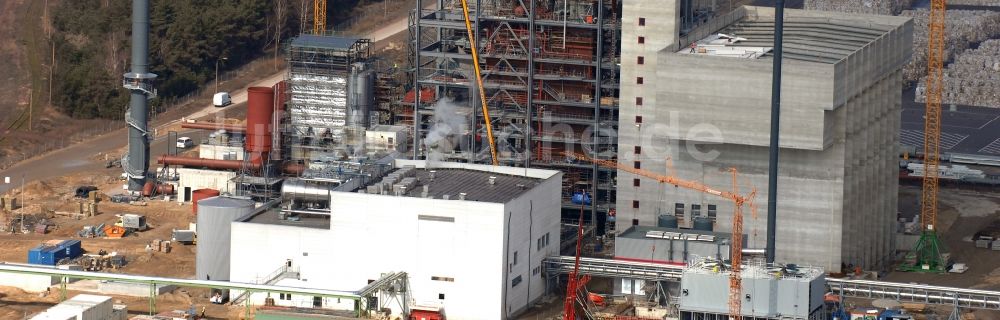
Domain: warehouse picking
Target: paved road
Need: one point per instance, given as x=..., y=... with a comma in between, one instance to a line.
x=76, y=158
x=969, y=130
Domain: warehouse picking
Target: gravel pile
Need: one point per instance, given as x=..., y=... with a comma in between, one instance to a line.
x=963, y=27
x=973, y=78
x=886, y=7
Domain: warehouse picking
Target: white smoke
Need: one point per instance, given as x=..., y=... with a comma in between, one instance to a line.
x=446, y=130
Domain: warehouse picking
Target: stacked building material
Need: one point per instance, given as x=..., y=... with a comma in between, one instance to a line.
x=886, y=7
x=974, y=2
x=964, y=27
x=973, y=78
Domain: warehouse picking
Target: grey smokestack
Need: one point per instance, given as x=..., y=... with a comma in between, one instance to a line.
x=772, y=165
x=139, y=82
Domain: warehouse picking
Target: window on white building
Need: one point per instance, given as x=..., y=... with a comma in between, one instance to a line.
x=515, y=258
x=317, y=302
x=632, y=286
x=536, y=271
x=515, y=281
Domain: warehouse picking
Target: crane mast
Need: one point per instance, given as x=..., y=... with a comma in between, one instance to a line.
x=319, y=16
x=479, y=82
x=927, y=255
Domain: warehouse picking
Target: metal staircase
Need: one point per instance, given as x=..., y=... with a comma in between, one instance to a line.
x=282, y=273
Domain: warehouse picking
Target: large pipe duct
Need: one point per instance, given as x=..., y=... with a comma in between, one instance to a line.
x=207, y=163
x=139, y=83
x=302, y=190
x=235, y=128
x=772, y=165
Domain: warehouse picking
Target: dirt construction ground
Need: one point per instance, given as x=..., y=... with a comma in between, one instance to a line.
x=48, y=198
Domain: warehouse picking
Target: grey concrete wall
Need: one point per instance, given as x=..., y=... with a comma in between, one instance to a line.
x=734, y=95
x=840, y=123
x=662, y=23
x=660, y=250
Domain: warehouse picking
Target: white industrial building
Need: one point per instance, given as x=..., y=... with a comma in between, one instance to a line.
x=470, y=237
x=194, y=179
x=220, y=152
x=84, y=307
x=386, y=138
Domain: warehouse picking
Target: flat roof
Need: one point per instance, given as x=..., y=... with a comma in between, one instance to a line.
x=454, y=181
x=639, y=232
x=270, y=217
x=823, y=37
x=325, y=42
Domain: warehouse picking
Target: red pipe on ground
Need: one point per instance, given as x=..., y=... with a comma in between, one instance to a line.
x=151, y=188
x=215, y=126
x=207, y=163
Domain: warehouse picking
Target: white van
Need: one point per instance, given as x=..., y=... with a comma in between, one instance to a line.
x=221, y=99
x=184, y=143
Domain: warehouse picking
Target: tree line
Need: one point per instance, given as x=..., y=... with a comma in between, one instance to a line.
x=91, y=46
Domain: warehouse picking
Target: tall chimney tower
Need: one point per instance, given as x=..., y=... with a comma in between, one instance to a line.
x=140, y=83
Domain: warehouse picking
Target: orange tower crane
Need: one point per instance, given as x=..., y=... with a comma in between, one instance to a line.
x=736, y=252
x=319, y=16
x=927, y=255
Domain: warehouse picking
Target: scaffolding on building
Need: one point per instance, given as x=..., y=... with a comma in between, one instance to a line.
x=318, y=114
x=550, y=74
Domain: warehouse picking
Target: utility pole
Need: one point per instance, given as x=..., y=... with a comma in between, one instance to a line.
x=22, y=203
x=52, y=69
x=31, y=103
x=217, y=73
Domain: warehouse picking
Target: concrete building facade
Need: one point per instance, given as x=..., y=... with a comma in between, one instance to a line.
x=472, y=242
x=841, y=98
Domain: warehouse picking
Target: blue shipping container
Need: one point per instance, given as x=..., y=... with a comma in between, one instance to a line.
x=48, y=254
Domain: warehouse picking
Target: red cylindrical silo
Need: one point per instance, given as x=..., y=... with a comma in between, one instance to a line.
x=260, y=108
x=201, y=194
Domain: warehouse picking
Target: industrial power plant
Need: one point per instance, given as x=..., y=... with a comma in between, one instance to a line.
x=559, y=159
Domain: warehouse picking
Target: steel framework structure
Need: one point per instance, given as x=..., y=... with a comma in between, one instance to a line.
x=905, y=292
x=392, y=287
x=549, y=71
